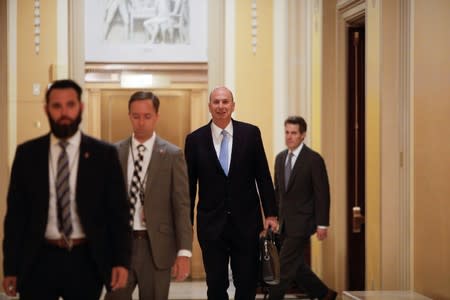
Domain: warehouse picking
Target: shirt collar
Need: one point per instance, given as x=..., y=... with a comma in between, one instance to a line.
x=297, y=150
x=148, y=143
x=74, y=140
x=216, y=130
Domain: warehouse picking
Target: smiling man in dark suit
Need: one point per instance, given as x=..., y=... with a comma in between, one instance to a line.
x=227, y=160
x=66, y=226
x=303, y=196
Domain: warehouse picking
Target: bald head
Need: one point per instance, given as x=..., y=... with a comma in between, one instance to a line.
x=221, y=106
x=222, y=89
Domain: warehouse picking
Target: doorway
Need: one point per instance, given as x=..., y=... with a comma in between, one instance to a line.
x=356, y=158
x=173, y=125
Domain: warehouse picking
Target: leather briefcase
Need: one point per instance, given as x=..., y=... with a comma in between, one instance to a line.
x=269, y=259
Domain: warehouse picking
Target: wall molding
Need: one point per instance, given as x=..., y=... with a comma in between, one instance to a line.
x=62, y=40
x=12, y=77
x=299, y=53
x=4, y=162
x=216, y=39
x=347, y=11
x=229, y=39
x=350, y=12
x=280, y=74
x=411, y=142
x=406, y=211
x=303, y=81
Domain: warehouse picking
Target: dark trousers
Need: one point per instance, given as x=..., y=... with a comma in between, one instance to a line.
x=294, y=268
x=61, y=273
x=242, y=254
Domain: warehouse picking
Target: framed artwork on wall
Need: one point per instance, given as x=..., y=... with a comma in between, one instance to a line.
x=127, y=31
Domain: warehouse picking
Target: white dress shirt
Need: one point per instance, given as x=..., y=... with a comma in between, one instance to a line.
x=295, y=155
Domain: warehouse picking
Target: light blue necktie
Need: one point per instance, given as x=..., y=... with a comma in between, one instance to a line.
x=223, y=154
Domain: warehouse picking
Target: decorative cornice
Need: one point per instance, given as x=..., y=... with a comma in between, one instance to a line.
x=343, y=5
x=254, y=24
x=101, y=67
x=37, y=26
x=352, y=11
x=175, y=73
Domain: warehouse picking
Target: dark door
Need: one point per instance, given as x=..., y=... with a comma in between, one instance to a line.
x=356, y=159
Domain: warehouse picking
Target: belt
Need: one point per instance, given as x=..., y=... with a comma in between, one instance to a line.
x=61, y=243
x=140, y=234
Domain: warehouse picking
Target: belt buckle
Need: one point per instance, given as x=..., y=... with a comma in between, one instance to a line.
x=69, y=243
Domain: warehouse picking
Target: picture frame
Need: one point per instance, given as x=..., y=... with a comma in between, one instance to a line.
x=128, y=31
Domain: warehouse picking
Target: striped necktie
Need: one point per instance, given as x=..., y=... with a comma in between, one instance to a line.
x=136, y=185
x=63, y=192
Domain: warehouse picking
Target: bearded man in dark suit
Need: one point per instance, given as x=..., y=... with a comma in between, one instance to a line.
x=66, y=227
x=303, y=196
x=227, y=160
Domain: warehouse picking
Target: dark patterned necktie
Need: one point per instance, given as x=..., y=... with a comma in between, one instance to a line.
x=287, y=170
x=63, y=192
x=223, y=154
x=136, y=183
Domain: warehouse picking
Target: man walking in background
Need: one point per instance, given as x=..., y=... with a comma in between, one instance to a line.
x=303, y=196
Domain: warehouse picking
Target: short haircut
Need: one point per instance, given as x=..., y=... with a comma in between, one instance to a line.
x=141, y=95
x=297, y=120
x=63, y=84
x=221, y=88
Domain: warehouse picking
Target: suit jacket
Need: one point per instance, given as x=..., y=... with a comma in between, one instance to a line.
x=305, y=203
x=237, y=193
x=100, y=198
x=166, y=203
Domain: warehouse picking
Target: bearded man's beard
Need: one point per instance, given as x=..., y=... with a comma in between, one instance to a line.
x=64, y=131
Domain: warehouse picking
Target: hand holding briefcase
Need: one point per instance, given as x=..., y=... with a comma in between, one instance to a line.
x=269, y=259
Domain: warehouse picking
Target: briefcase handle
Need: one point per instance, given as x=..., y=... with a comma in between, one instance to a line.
x=268, y=234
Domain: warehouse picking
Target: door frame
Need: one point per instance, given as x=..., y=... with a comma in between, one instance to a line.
x=356, y=167
x=389, y=132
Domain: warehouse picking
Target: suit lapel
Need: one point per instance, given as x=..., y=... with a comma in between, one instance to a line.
x=209, y=145
x=42, y=173
x=298, y=165
x=158, y=154
x=238, y=139
x=83, y=168
x=124, y=150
